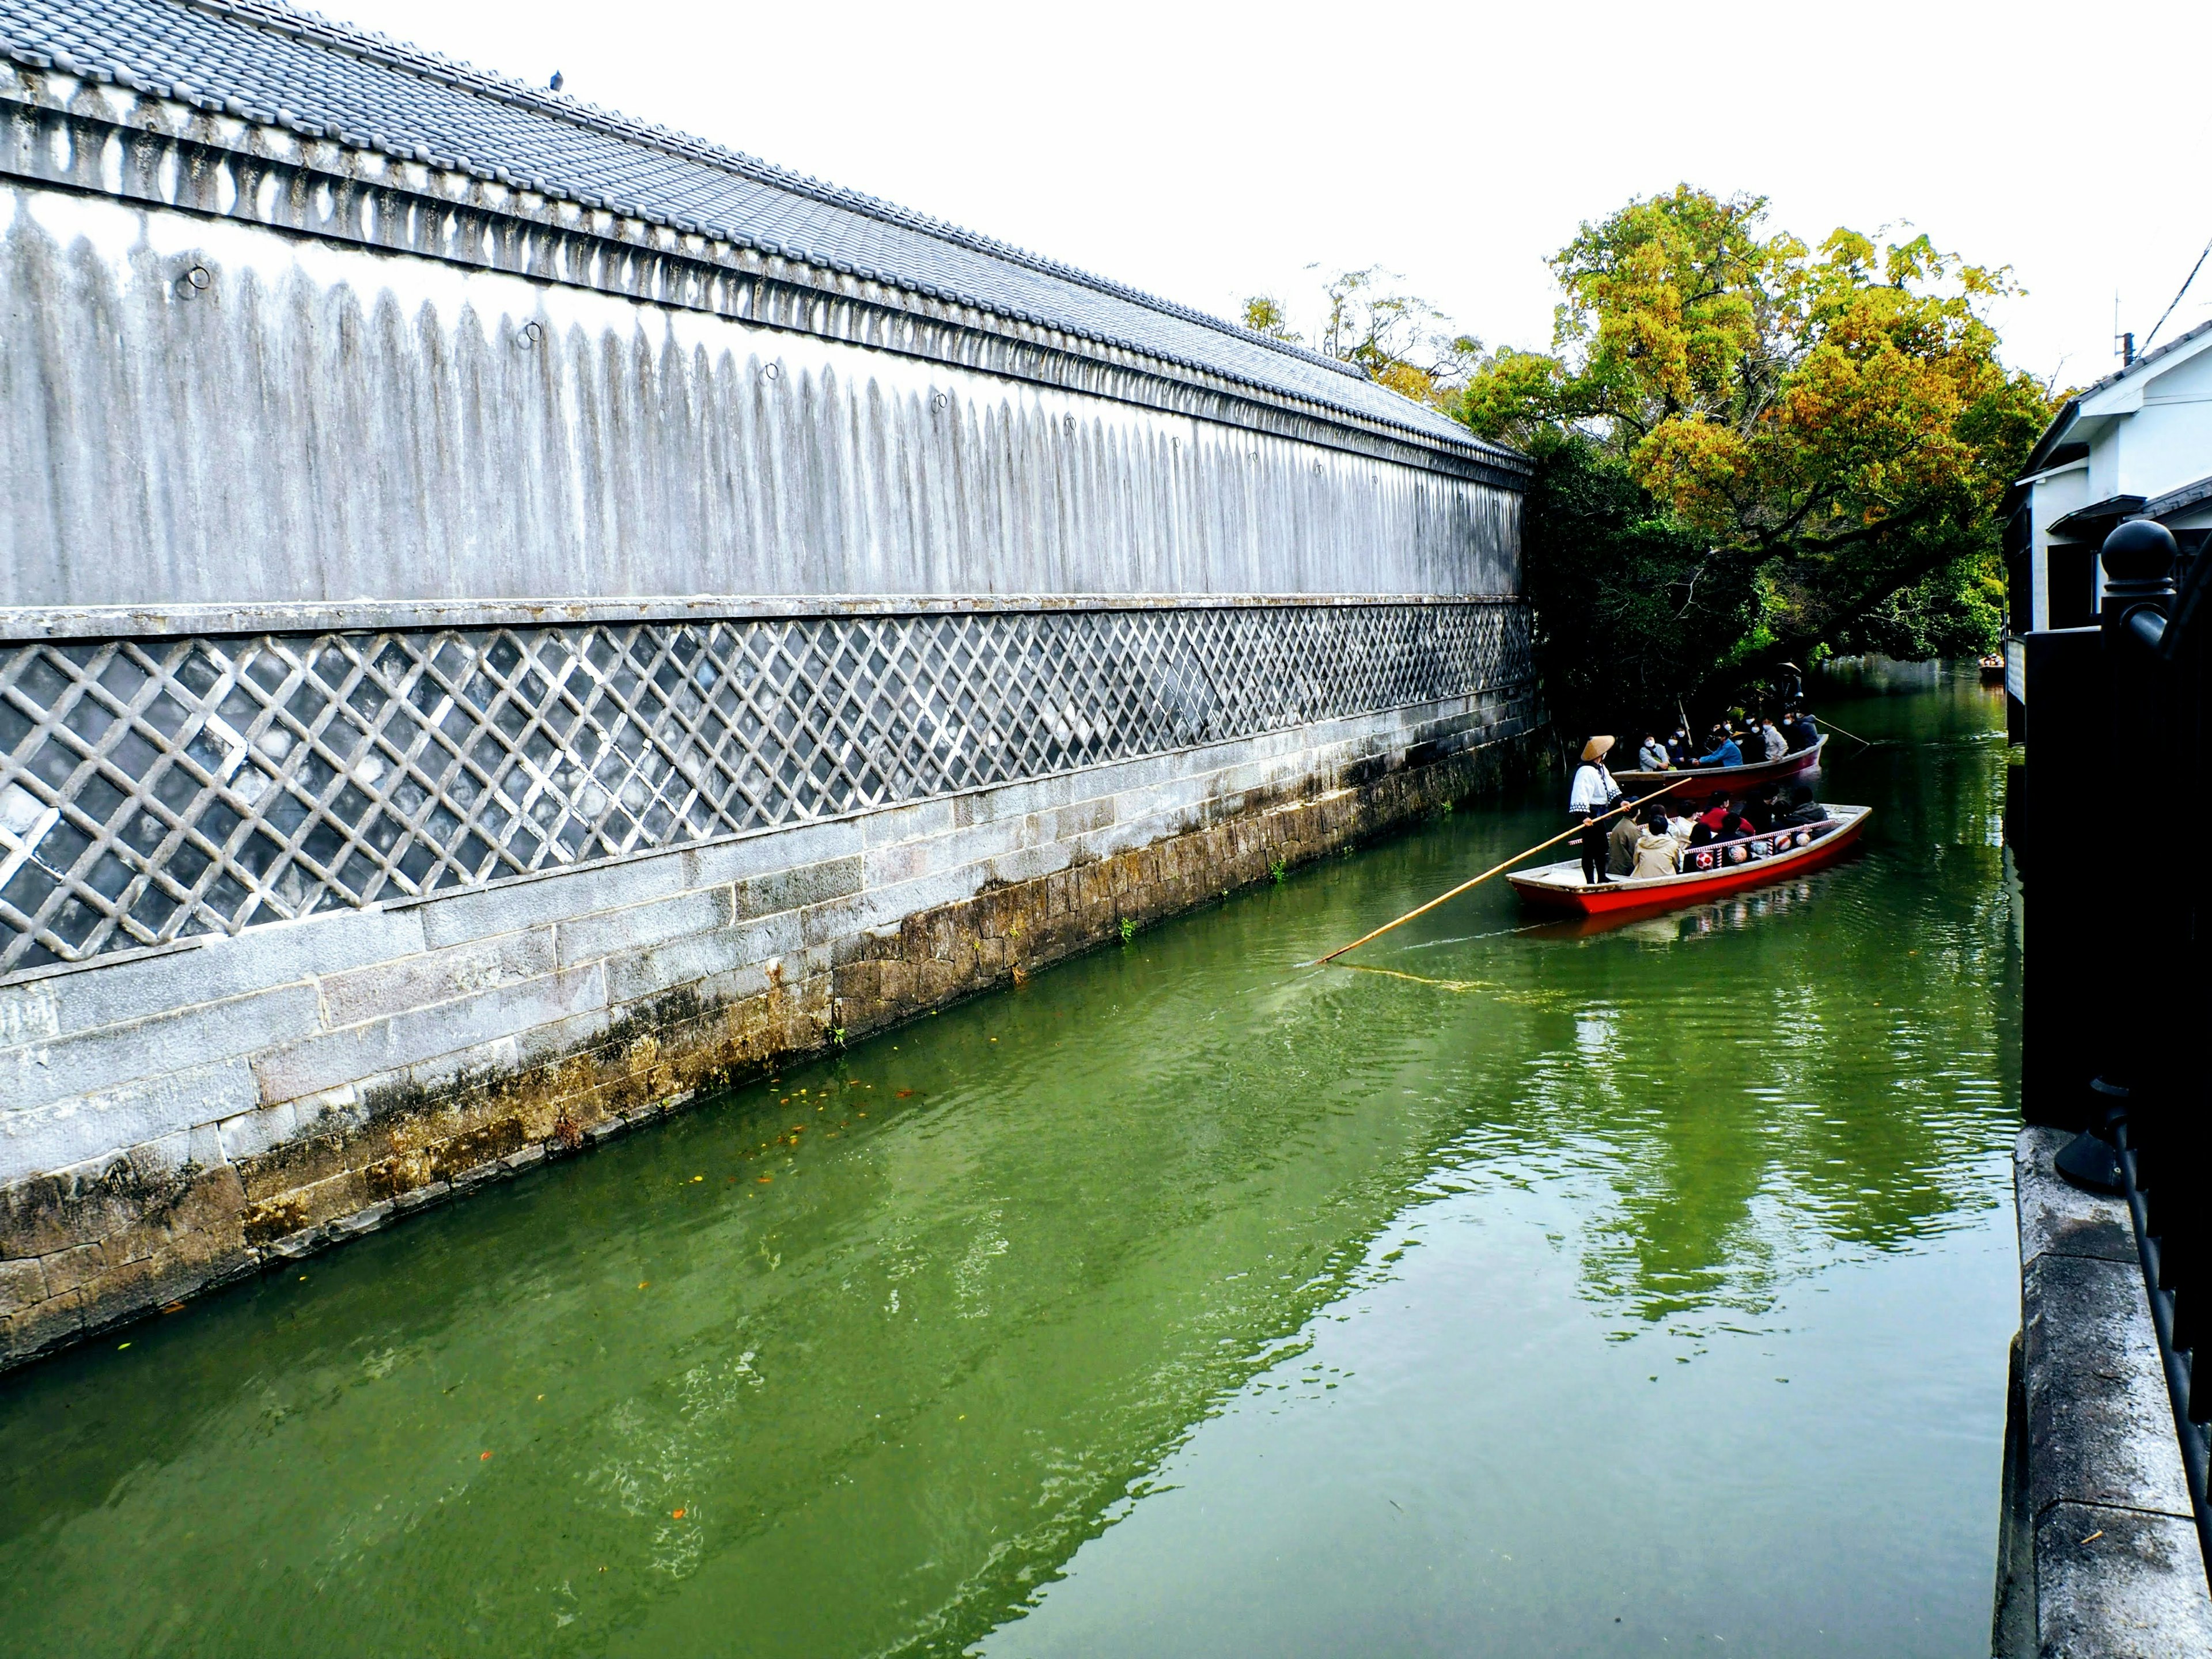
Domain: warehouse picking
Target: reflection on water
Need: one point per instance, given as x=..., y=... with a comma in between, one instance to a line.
x=1095, y=1315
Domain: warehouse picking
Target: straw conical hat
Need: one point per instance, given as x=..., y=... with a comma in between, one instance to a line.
x=1596, y=748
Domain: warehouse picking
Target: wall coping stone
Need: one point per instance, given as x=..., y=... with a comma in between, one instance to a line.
x=103, y=622
x=2119, y=1570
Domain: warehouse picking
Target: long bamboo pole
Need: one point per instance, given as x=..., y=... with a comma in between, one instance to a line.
x=1572, y=830
x=1853, y=736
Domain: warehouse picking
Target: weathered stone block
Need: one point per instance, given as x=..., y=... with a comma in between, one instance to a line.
x=40, y=1327
x=249, y=1135
x=546, y=901
x=796, y=889
x=21, y=1283
x=2099, y=1423
x=386, y=988
x=746, y=857
x=2117, y=1584
x=78, y=1128
x=664, y=967
x=38, y=1075
x=2057, y=1218
x=218, y=969
x=330, y=1061
x=620, y=932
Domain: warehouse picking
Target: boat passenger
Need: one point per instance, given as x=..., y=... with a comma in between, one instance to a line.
x=1803, y=808
x=1591, y=795
x=1657, y=852
x=1653, y=756
x=1736, y=830
x=1723, y=751
x=1797, y=726
x=1770, y=735
x=1621, y=844
x=1680, y=749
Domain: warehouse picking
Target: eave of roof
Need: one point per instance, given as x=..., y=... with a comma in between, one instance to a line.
x=2038, y=458
x=2108, y=512
x=271, y=66
x=2177, y=500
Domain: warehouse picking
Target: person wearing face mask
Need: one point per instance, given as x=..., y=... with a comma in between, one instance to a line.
x=1777, y=745
x=1653, y=756
x=1723, y=751
x=1797, y=726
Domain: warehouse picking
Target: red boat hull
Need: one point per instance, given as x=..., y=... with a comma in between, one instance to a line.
x=1617, y=898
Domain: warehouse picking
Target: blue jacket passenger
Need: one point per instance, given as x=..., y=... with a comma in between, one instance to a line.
x=1727, y=755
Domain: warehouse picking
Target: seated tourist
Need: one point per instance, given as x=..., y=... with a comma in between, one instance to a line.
x=1723, y=751
x=1771, y=737
x=1736, y=829
x=1621, y=844
x=1657, y=852
x=1803, y=808
x=1680, y=750
x=1761, y=810
x=1797, y=726
x=1653, y=756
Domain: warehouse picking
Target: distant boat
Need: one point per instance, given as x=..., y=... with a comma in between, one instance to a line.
x=1993, y=668
x=1560, y=887
x=1708, y=780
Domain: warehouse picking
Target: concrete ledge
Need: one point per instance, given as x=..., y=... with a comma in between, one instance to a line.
x=2094, y=1474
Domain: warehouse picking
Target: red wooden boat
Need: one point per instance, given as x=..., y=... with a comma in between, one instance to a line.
x=1706, y=782
x=1560, y=887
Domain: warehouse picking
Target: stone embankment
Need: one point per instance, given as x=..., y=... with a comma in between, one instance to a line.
x=348, y=1070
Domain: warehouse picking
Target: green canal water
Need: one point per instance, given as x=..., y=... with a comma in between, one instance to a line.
x=1522, y=1293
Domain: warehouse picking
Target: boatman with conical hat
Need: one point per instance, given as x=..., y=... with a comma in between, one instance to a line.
x=1592, y=795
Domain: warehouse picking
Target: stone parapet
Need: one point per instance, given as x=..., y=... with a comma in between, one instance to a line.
x=174, y=1120
x=2099, y=1556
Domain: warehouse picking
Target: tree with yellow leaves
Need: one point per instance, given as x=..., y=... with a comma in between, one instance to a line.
x=1399, y=339
x=1834, y=427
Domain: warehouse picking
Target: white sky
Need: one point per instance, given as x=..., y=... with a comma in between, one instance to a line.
x=1204, y=151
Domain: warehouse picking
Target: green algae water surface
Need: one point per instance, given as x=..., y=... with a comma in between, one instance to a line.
x=1520, y=1292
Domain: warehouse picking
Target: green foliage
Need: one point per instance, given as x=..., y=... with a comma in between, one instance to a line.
x=1816, y=439
x=1128, y=930
x=1633, y=611
x=1278, y=869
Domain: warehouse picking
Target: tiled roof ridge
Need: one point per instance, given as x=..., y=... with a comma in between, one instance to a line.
x=433, y=66
x=2062, y=421
x=2148, y=357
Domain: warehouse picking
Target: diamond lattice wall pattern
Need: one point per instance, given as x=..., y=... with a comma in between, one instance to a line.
x=155, y=788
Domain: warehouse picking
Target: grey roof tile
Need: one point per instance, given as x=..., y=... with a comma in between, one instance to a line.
x=264, y=58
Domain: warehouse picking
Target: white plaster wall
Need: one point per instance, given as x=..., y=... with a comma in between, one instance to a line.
x=328, y=424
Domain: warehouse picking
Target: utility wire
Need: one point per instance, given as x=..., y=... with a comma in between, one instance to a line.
x=2176, y=301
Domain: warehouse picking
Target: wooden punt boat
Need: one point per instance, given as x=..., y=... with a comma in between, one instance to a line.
x=1993, y=668
x=1559, y=887
x=1706, y=782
